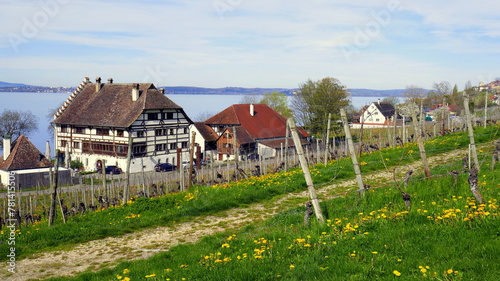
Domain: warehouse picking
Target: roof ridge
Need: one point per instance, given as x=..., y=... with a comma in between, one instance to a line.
x=72, y=96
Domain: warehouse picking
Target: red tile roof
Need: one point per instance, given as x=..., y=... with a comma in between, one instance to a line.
x=206, y=132
x=24, y=155
x=265, y=123
x=112, y=105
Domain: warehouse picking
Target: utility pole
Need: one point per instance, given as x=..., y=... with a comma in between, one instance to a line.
x=305, y=169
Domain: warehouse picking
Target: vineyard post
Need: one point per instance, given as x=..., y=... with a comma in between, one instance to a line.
x=395, y=142
x=287, y=136
x=143, y=178
x=103, y=173
x=126, y=188
x=327, y=137
x=473, y=184
x=421, y=147
x=352, y=152
x=191, y=158
x=485, y=109
x=305, y=170
x=471, y=131
x=236, y=154
x=53, y=203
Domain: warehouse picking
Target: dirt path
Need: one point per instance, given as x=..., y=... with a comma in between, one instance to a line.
x=108, y=252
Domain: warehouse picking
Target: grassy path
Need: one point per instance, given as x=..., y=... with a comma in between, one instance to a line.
x=98, y=254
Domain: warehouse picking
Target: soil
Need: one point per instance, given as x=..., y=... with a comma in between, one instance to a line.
x=98, y=254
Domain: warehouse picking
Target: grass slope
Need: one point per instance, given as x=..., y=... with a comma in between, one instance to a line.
x=446, y=235
x=206, y=200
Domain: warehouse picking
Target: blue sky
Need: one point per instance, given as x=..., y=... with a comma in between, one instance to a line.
x=378, y=44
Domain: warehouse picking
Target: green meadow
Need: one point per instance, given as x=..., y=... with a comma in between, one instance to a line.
x=445, y=235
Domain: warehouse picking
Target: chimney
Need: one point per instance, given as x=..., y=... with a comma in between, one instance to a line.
x=110, y=80
x=162, y=90
x=135, y=92
x=379, y=101
x=6, y=147
x=97, y=84
x=252, y=111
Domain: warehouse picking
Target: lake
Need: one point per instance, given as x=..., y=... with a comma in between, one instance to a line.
x=195, y=106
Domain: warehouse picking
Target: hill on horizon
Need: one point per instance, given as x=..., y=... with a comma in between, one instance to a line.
x=7, y=84
x=190, y=90
x=187, y=90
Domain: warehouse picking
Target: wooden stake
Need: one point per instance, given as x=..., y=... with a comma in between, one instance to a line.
x=53, y=202
x=191, y=158
x=474, y=187
x=357, y=170
x=305, y=169
x=471, y=131
x=126, y=188
x=421, y=147
x=327, y=138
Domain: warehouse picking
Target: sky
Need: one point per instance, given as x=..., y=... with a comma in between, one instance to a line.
x=377, y=44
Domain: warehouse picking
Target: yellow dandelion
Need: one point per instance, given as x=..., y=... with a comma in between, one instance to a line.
x=126, y=270
x=449, y=271
x=397, y=273
x=292, y=266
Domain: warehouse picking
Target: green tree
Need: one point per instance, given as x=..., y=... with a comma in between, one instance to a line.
x=278, y=102
x=315, y=99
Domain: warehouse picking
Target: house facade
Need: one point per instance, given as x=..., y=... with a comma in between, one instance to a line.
x=251, y=130
x=375, y=115
x=101, y=122
x=23, y=166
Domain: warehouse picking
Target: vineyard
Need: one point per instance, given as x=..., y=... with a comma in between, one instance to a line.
x=377, y=235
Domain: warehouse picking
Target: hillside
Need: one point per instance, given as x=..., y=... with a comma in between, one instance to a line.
x=189, y=90
x=7, y=84
x=182, y=90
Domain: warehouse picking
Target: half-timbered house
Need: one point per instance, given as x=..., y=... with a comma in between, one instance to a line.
x=101, y=122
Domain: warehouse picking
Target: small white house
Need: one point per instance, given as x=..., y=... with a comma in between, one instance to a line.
x=101, y=122
x=375, y=115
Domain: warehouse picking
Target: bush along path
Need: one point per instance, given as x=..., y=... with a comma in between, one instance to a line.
x=109, y=251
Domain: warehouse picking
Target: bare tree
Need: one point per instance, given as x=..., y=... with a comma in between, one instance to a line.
x=17, y=123
x=392, y=100
x=414, y=94
x=250, y=99
x=203, y=116
x=442, y=88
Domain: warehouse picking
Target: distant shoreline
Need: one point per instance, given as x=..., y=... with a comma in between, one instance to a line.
x=210, y=91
